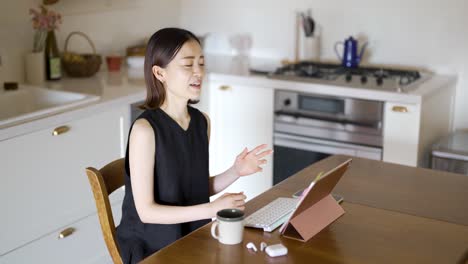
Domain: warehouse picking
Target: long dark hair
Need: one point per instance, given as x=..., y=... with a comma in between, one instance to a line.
x=161, y=49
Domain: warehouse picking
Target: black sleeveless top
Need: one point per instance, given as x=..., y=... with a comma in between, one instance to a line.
x=181, y=178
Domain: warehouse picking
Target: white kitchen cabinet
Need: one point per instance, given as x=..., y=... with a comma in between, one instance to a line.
x=241, y=116
x=84, y=245
x=401, y=133
x=44, y=184
x=410, y=130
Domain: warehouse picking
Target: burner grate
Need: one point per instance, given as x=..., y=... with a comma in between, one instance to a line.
x=331, y=72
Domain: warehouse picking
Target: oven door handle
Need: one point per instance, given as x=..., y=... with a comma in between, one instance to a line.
x=316, y=145
x=293, y=116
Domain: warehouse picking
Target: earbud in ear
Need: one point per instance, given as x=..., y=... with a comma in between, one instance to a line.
x=252, y=246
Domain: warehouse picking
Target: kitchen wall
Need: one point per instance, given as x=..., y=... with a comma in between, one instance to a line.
x=16, y=37
x=430, y=34
x=111, y=24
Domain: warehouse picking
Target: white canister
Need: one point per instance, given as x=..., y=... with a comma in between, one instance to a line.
x=310, y=48
x=35, y=68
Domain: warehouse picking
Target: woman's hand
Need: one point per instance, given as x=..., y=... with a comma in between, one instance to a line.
x=229, y=200
x=249, y=162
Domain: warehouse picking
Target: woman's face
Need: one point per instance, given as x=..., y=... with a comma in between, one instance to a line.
x=184, y=74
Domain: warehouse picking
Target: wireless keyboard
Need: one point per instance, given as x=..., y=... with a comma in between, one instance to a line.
x=272, y=215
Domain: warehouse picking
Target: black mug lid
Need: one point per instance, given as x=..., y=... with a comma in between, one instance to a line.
x=230, y=215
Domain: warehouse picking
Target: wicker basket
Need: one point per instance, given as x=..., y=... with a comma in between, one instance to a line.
x=80, y=65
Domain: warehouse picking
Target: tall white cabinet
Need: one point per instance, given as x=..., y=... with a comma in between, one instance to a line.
x=401, y=133
x=45, y=190
x=410, y=129
x=241, y=116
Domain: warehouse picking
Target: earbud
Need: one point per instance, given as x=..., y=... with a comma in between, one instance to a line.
x=263, y=245
x=252, y=246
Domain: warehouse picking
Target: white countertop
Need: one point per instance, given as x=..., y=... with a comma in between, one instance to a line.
x=114, y=89
x=117, y=89
x=233, y=71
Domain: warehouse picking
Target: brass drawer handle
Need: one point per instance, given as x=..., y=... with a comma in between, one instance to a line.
x=66, y=232
x=60, y=130
x=400, y=109
x=225, y=87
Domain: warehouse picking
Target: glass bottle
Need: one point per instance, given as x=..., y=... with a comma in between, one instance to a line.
x=52, y=57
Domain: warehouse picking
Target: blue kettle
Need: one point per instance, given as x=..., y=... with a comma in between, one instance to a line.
x=350, y=58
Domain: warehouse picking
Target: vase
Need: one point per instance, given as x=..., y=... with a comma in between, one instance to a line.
x=35, y=68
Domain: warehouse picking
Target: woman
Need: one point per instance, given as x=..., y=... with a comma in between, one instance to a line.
x=168, y=185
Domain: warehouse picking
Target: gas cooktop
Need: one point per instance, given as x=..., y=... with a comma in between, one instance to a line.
x=384, y=79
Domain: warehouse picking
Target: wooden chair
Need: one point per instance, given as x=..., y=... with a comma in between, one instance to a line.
x=103, y=183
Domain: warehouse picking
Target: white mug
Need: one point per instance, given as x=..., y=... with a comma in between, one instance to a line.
x=230, y=224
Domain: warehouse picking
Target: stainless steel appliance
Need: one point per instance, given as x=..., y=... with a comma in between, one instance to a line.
x=451, y=153
x=310, y=127
x=376, y=78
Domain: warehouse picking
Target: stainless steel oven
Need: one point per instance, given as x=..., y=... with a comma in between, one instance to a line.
x=310, y=127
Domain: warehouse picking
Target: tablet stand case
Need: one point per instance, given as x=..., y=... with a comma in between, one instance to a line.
x=318, y=209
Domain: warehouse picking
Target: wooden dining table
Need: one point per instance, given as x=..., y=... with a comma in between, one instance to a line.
x=393, y=214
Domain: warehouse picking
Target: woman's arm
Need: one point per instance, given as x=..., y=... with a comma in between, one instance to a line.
x=221, y=181
x=246, y=163
x=142, y=153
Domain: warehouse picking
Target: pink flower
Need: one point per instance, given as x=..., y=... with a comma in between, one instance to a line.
x=45, y=19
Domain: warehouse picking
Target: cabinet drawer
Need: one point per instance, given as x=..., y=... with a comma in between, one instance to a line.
x=85, y=245
x=44, y=184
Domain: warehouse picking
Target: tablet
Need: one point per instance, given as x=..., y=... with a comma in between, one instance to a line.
x=318, y=189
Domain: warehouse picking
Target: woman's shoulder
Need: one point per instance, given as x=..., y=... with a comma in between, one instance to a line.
x=142, y=124
x=152, y=117
x=202, y=114
x=142, y=128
